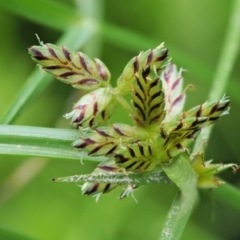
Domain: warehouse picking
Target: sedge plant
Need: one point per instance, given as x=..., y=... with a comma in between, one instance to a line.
x=162, y=132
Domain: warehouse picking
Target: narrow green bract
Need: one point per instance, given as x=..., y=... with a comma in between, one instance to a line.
x=161, y=129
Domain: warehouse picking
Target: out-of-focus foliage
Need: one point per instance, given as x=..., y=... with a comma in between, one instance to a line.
x=36, y=207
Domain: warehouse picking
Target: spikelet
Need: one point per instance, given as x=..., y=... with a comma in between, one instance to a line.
x=156, y=57
x=172, y=83
x=105, y=141
x=206, y=170
x=96, y=189
x=93, y=108
x=148, y=98
x=74, y=68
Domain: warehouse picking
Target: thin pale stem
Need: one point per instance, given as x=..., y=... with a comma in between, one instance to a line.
x=225, y=65
x=182, y=174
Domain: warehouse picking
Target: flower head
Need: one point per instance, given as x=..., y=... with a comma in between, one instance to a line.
x=162, y=129
x=93, y=108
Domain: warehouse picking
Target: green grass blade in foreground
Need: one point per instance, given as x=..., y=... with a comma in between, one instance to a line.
x=182, y=174
x=40, y=142
x=39, y=81
x=48, y=13
x=6, y=234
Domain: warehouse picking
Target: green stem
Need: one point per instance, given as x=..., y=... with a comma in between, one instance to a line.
x=225, y=65
x=182, y=174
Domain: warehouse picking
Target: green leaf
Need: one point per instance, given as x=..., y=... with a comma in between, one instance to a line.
x=38, y=81
x=41, y=142
x=40, y=11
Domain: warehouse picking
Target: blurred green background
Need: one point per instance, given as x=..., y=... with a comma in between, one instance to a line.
x=33, y=206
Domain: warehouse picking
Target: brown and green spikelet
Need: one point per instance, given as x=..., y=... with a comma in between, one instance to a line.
x=93, y=108
x=74, y=68
x=153, y=58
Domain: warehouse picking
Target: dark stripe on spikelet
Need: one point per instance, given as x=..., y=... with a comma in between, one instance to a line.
x=92, y=189
x=145, y=72
x=66, y=54
x=86, y=142
x=83, y=63
x=120, y=158
x=140, y=165
x=141, y=149
x=199, y=112
x=131, y=151
x=176, y=82
x=224, y=106
x=101, y=72
x=150, y=57
x=164, y=55
x=156, y=106
x=105, y=190
x=155, y=95
x=80, y=117
x=139, y=97
x=150, y=150
x=140, y=86
x=118, y=131
x=154, y=83
x=140, y=110
x=131, y=165
x=95, y=108
x=107, y=168
x=155, y=118
x=197, y=121
x=111, y=151
x=67, y=74
x=88, y=81
x=56, y=67
x=103, y=114
x=102, y=133
x=135, y=65
x=38, y=55
x=179, y=126
x=54, y=55
x=96, y=149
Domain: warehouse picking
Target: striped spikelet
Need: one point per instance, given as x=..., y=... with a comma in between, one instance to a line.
x=153, y=58
x=74, y=68
x=148, y=98
x=93, y=109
